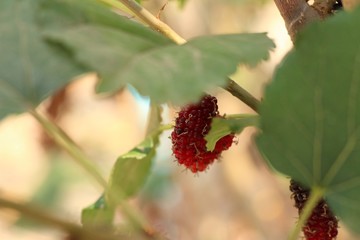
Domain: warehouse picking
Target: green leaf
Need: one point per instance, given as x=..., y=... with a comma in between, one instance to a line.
x=310, y=116
x=122, y=52
x=154, y=118
x=111, y=40
x=98, y=215
x=166, y=72
x=221, y=127
x=130, y=171
x=30, y=70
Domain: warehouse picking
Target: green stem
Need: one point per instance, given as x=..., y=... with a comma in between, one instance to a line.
x=241, y=115
x=165, y=127
x=64, y=141
x=315, y=196
x=243, y=95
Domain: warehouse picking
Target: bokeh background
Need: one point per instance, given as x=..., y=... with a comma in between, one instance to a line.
x=237, y=198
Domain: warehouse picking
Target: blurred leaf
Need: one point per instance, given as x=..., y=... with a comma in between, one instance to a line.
x=131, y=170
x=154, y=118
x=98, y=215
x=310, y=116
x=221, y=127
x=182, y=3
x=122, y=51
x=159, y=185
x=67, y=15
x=30, y=70
x=49, y=192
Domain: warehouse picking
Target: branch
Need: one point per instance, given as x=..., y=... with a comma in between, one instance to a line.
x=324, y=8
x=296, y=14
x=243, y=95
x=43, y=217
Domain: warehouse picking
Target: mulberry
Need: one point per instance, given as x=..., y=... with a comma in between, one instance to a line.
x=322, y=224
x=191, y=126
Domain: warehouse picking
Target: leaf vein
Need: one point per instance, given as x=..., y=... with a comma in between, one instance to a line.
x=354, y=85
x=319, y=131
x=342, y=157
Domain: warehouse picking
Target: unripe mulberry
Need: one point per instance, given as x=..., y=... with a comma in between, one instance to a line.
x=191, y=126
x=322, y=224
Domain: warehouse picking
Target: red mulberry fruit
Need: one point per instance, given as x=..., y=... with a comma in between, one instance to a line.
x=191, y=126
x=322, y=224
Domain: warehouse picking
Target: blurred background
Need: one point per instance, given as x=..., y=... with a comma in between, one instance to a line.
x=237, y=198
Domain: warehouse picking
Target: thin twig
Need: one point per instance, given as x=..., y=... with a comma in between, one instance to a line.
x=158, y=15
x=243, y=95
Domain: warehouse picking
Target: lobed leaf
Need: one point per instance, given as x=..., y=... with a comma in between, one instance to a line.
x=122, y=52
x=310, y=116
x=221, y=127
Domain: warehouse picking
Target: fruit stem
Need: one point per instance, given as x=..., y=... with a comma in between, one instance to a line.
x=315, y=196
